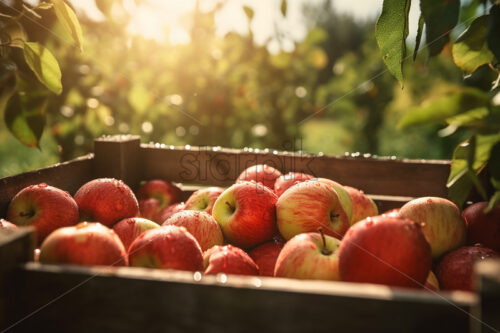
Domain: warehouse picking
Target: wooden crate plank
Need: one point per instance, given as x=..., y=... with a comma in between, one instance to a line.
x=16, y=246
x=488, y=284
x=68, y=176
x=118, y=157
x=220, y=167
x=131, y=300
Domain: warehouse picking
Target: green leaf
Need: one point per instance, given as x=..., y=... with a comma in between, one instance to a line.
x=16, y=33
x=8, y=71
x=25, y=118
x=105, y=6
x=470, y=50
x=248, y=12
x=445, y=107
x=440, y=18
x=419, y=36
x=283, y=7
x=70, y=23
x=391, y=31
x=493, y=33
x=494, y=200
x=44, y=5
x=44, y=65
x=471, y=118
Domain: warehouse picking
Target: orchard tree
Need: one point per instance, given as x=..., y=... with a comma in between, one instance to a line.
x=474, y=107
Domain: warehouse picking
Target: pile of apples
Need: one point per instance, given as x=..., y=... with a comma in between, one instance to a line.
x=266, y=223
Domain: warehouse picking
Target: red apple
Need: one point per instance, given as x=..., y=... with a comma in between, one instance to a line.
x=165, y=192
x=44, y=207
x=201, y=225
x=260, y=173
x=246, y=213
x=362, y=205
x=385, y=250
x=83, y=244
x=149, y=208
x=7, y=225
x=204, y=199
x=286, y=181
x=456, y=269
x=130, y=228
x=442, y=225
x=106, y=200
x=432, y=283
x=229, y=260
x=311, y=256
x=306, y=206
x=481, y=227
x=265, y=256
x=169, y=247
x=168, y=211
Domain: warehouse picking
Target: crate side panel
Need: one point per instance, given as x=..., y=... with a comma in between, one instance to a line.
x=411, y=178
x=110, y=303
x=68, y=176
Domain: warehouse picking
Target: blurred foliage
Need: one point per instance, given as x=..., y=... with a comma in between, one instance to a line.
x=329, y=93
x=474, y=110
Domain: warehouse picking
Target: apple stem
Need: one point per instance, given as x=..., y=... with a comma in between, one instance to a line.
x=324, y=250
x=230, y=206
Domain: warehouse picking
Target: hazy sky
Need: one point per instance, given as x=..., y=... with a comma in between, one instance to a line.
x=151, y=19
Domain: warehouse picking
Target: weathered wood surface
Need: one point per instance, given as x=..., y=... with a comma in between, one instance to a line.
x=65, y=298
x=488, y=283
x=68, y=176
x=118, y=157
x=380, y=176
x=16, y=247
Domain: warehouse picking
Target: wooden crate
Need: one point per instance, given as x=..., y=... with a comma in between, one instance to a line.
x=36, y=297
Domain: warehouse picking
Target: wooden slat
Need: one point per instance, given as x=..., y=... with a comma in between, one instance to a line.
x=488, y=283
x=16, y=247
x=68, y=176
x=410, y=178
x=118, y=157
x=132, y=300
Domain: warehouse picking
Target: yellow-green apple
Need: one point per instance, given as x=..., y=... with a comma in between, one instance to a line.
x=204, y=199
x=246, y=213
x=344, y=197
x=385, y=250
x=311, y=255
x=168, y=247
x=362, y=205
x=44, y=207
x=107, y=201
x=483, y=228
x=165, y=192
x=229, y=259
x=149, y=208
x=432, y=283
x=7, y=225
x=306, y=206
x=168, y=211
x=83, y=244
x=130, y=228
x=265, y=256
x=260, y=173
x=441, y=222
x=456, y=269
x=286, y=181
x=201, y=225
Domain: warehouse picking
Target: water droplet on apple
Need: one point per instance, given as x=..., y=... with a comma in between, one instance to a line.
x=37, y=255
x=42, y=185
